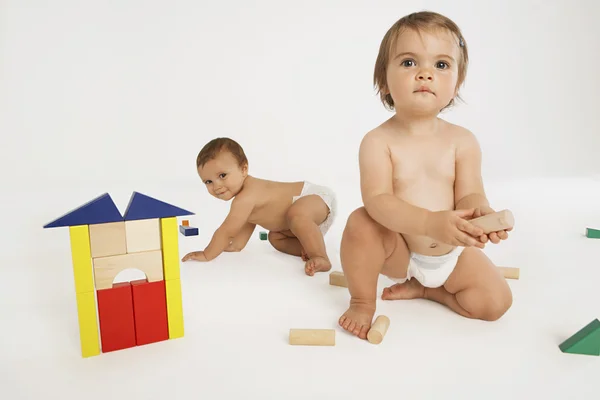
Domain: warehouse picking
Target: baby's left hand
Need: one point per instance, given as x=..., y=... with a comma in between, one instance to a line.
x=494, y=237
x=195, y=255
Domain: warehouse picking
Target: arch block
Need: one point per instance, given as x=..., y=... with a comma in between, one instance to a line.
x=107, y=268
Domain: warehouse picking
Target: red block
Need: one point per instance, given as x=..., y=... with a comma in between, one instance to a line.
x=115, y=312
x=150, y=309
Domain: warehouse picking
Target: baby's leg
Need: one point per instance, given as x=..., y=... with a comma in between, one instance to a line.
x=304, y=218
x=286, y=242
x=368, y=249
x=475, y=289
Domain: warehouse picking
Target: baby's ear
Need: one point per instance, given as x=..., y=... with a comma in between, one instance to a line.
x=245, y=169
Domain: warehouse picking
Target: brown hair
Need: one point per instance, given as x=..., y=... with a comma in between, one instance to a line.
x=215, y=146
x=419, y=21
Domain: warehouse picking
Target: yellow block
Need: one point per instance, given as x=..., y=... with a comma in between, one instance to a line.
x=88, y=324
x=170, y=247
x=82, y=258
x=174, y=308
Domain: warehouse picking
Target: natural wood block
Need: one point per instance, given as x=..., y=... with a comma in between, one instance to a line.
x=170, y=247
x=81, y=257
x=88, y=324
x=174, y=308
x=312, y=337
x=510, y=272
x=108, y=239
x=337, y=278
x=142, y=235
x=495, y=222
x=378, y=329
x=107, y=268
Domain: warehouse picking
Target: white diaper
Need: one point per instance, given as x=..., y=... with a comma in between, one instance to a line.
x=431, y=271
x=328, y=197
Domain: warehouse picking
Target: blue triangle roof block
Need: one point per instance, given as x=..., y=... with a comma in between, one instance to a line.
x=145, y=207
x=100, y=210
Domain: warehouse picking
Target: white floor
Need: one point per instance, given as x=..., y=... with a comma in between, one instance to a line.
x=240, y=307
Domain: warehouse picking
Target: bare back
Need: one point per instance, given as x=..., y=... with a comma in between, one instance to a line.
x=423, y=173
x=271, y=201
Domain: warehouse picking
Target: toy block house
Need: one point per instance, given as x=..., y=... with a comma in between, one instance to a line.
x=104, y=243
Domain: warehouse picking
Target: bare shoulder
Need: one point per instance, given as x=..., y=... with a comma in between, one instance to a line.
x=462, y=137
x=378, y=137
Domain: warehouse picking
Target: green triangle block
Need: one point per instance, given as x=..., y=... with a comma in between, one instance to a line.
x=592, y=233
x=586, y=341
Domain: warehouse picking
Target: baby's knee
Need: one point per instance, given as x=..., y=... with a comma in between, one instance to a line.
x=496, y=305
x=361, y=227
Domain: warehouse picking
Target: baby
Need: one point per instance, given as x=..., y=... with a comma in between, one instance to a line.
x=421, y=184
x=296, y=214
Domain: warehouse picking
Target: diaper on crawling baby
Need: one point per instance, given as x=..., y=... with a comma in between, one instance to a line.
x=431, y=271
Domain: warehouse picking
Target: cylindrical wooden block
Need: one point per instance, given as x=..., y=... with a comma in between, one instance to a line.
x=337, y=278
x=312, y=337
x=378, y=329
x=510, y=273
x=495, y=222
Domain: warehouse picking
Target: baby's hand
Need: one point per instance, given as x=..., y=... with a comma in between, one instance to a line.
x=453, y=228
x=195, y=255
x=494, y=237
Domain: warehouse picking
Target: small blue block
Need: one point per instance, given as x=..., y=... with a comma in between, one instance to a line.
x=188, y=230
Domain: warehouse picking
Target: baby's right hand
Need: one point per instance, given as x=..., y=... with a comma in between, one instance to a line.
x=452, y=228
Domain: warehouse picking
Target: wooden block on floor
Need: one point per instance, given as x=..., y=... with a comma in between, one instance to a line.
x=88, y=324
x=174, y=308
x=510, y=272
x=185, y=222
x=150, y=311
x=108, y=239
x=312, y=337
x=263, y=235
x=337, y=278
x=170, y=248
x=188, y=230
x=115, y=312
x=586, y=341
x=592, y=233
x=81, y=258
x=142, y=235
x=107, y=268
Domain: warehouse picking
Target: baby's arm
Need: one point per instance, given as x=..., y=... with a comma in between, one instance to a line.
x=468, y=183
x=239, y=242
x=377, y=190
x=234, y=224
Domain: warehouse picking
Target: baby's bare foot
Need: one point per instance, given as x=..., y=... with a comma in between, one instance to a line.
x=411, y=289
x=304, y=255
x=316, y=264
x=357, y=319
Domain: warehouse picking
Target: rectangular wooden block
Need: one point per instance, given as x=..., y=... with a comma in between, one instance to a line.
x=185, y=222
x=150, y=311
x=107, y=268
x=312, y=337
x=510, y=272
x=142, y=235
x=115, y=310
x=81, y=258
x=174, y=308
x=337, y=278
x=188, y=230
x=108, y=239
x=88, y=324
x=170, y=247
x=592, y=233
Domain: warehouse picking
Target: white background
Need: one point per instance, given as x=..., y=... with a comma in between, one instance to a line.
x=120, y=96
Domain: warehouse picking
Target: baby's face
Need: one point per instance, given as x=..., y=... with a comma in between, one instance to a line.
x=423, y=71
x=223, y=176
